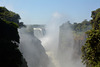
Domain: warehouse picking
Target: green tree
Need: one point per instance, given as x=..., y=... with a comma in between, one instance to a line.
x=10, y=16
x=81, y=27
x=91, y=49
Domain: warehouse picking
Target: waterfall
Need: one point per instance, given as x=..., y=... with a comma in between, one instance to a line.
x=55, y=49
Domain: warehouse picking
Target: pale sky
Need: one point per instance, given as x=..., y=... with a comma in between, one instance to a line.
x=42, y=11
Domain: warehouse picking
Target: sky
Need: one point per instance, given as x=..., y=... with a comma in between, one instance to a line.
x=43, y=11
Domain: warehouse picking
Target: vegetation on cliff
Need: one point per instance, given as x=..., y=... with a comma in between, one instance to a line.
x=9, y=39
x=91, y=49
x=81, y=27
x=10, y=17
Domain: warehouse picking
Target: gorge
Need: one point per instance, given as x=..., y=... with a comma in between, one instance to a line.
x=47, y=51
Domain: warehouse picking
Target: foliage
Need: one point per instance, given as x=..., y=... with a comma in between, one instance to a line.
x=81, y=27
x=10, y=16
x=10, y=56
x=98, y=65
x=91, y=52
x=11, y=23
x=91, y=49
x=96, y=19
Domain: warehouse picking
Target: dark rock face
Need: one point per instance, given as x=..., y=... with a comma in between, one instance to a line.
x=9, y=39
x=32, y=50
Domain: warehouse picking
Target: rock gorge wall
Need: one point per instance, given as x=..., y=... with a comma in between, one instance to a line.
x=69, y=48
x=79, y=40
x=32, y=50
x=68, y=38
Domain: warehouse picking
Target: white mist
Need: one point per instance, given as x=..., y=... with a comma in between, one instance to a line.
x=57, y=52
x=59, y=56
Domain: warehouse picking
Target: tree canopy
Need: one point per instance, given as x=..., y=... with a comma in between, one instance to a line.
x=10, y=16
x=91, y=49
x=82, y=27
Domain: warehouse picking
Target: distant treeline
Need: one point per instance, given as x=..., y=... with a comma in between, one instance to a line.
x=80, y=27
